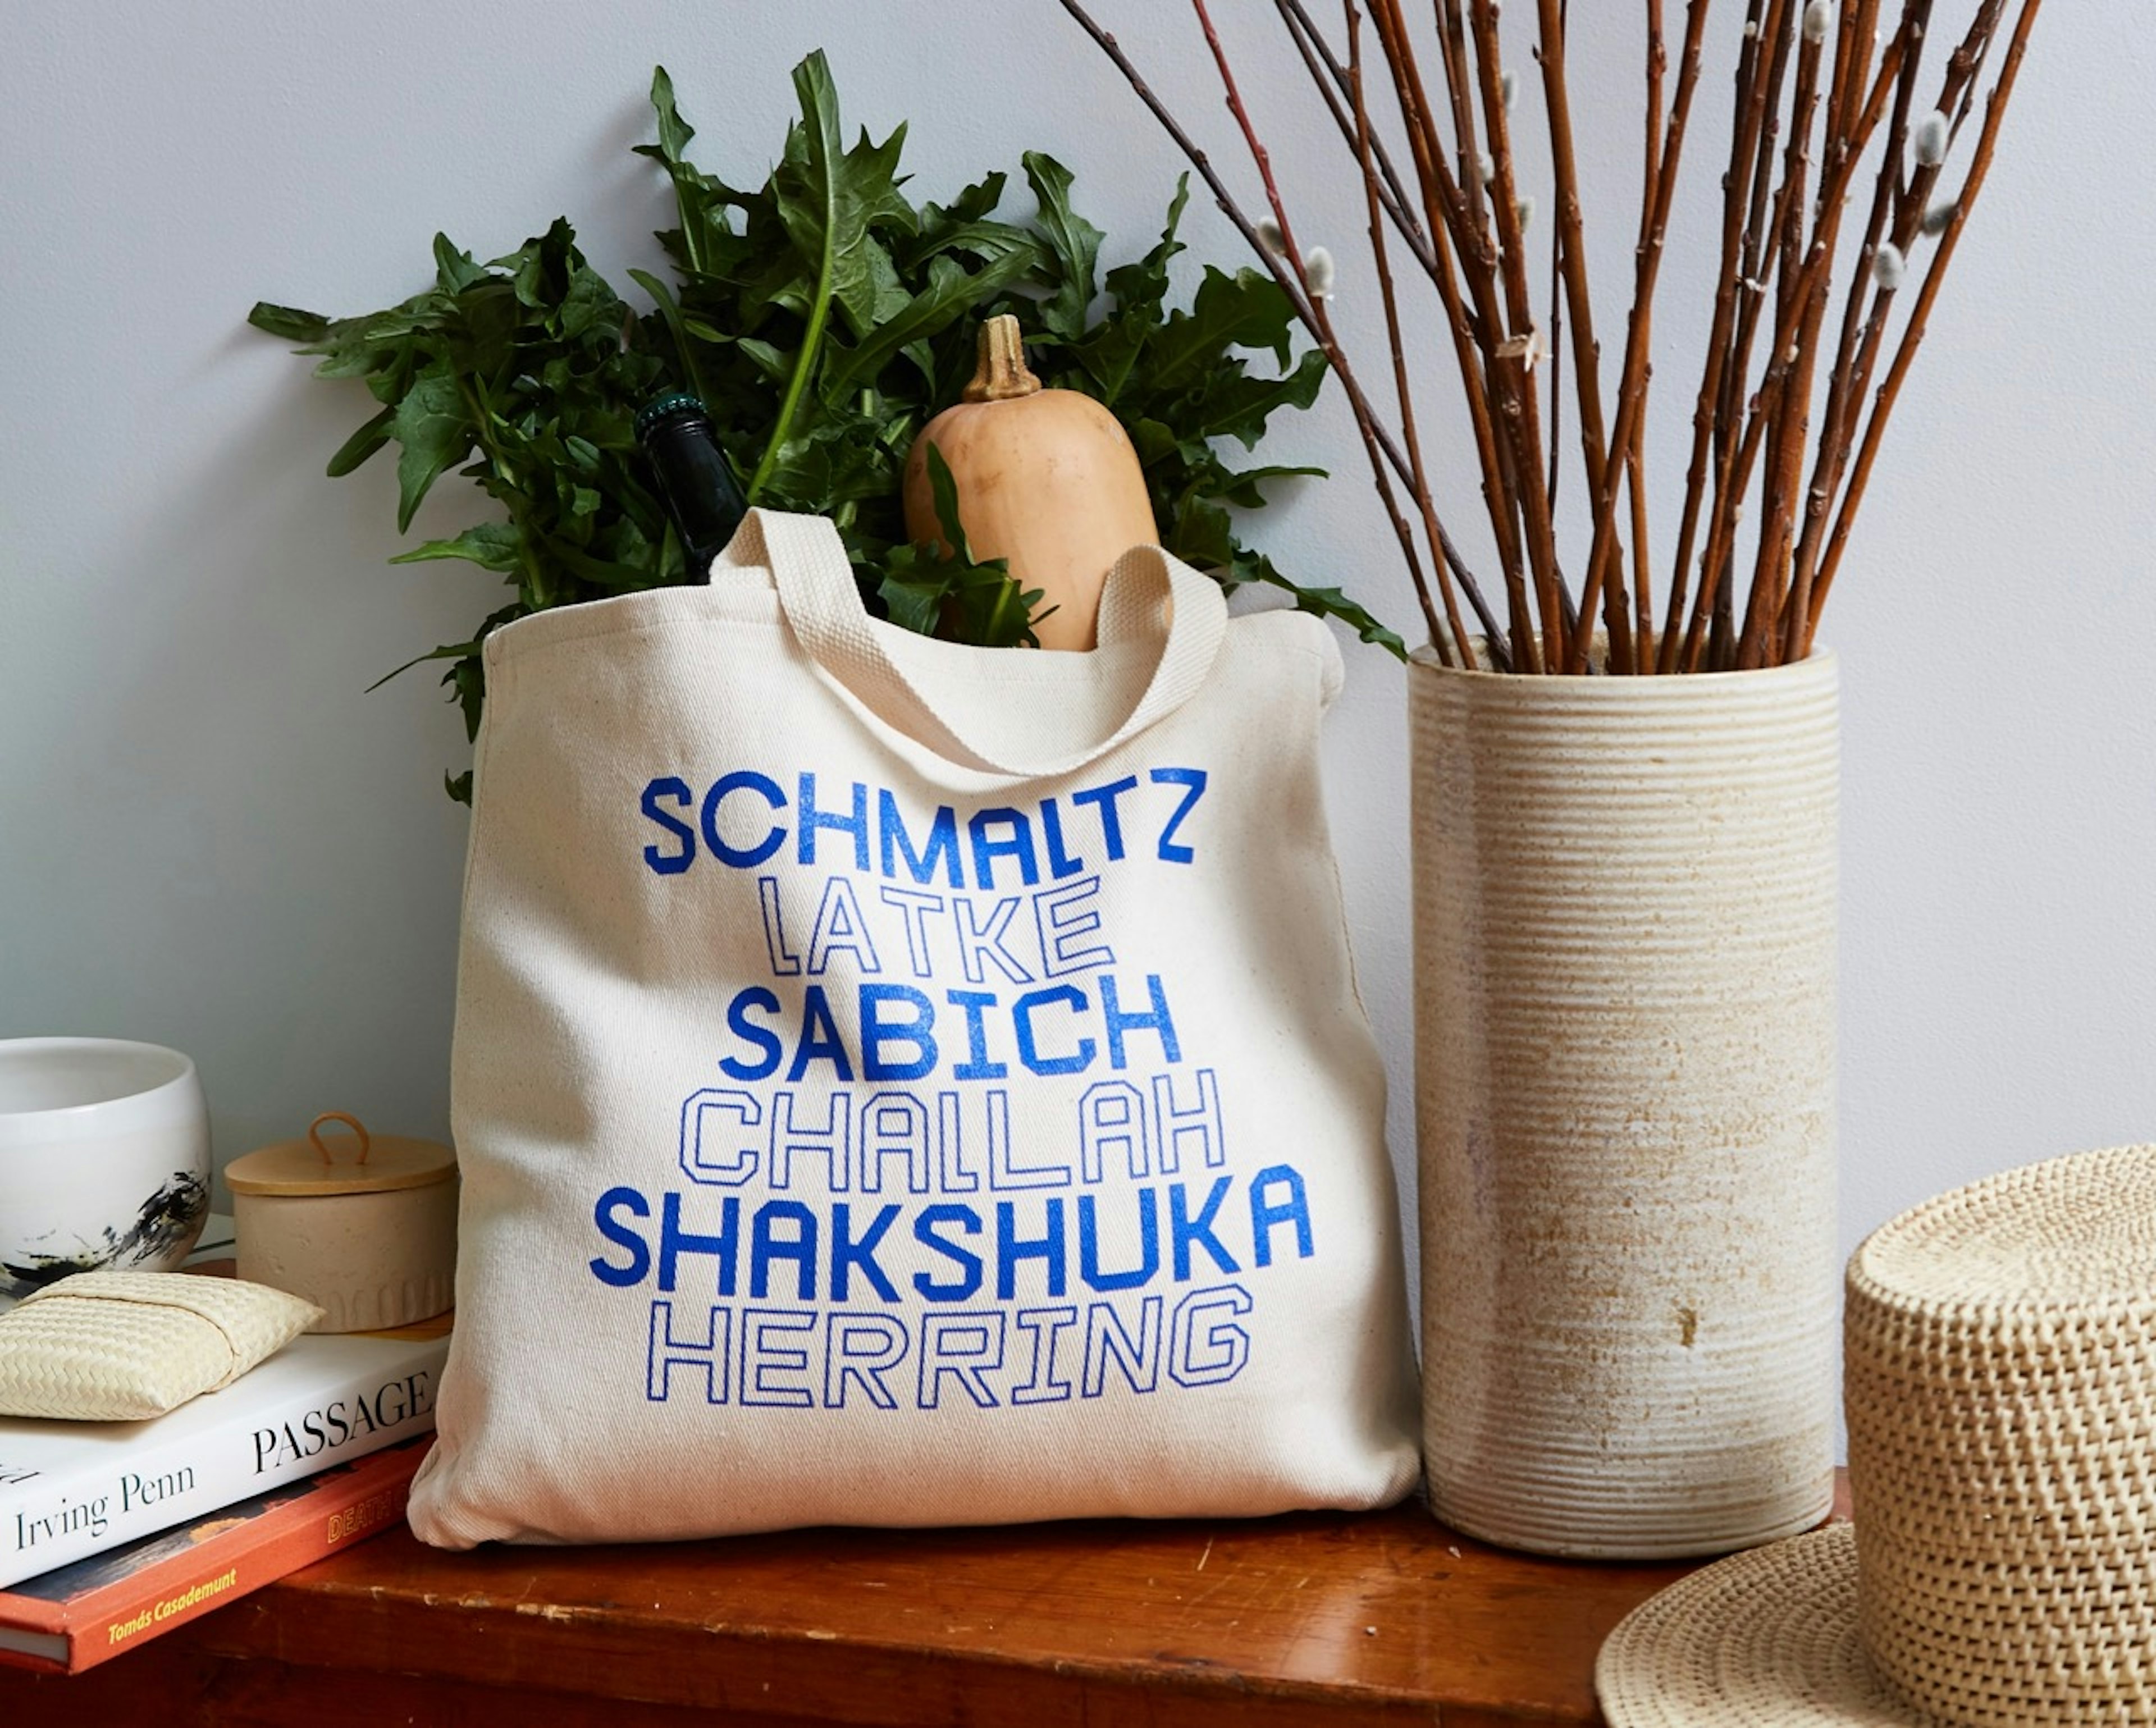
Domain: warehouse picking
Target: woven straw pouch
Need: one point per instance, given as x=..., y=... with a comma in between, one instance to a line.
x=121, y=1346
x=2000, y=1372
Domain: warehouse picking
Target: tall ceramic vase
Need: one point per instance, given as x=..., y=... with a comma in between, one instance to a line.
x=1625, y=1000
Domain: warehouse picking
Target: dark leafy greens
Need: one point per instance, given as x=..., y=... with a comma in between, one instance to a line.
x=824, y=319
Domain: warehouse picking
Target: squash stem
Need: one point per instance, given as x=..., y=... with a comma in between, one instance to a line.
x=1002, y=373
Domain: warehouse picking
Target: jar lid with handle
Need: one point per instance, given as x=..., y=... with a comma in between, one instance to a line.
x=372, y=1164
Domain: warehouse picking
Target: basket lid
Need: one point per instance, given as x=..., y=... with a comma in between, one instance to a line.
x=382, y=1163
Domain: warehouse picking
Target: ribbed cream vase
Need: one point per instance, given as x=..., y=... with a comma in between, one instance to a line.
x=1624, y=1032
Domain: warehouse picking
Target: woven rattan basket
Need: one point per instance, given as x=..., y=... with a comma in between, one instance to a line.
x=1999, y=1374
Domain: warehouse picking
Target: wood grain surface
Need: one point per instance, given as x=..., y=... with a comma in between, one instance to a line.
x=1383, y=1617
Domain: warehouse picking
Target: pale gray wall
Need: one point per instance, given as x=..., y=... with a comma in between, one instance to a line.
x=211, y=836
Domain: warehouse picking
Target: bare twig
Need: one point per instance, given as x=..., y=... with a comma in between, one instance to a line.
x=1643, y=596
x=1515, y=355
x=1643, y=569
x=1423, y=494
x=1632, y=399
x=1860, y=32
x=1556, y=358
x=1658, y=63
x=1572, y=253
x=1707, y=416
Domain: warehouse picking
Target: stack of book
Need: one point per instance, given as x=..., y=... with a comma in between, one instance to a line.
x=113, y=1533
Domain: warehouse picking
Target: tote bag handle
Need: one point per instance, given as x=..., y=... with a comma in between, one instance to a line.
x=1149, y=596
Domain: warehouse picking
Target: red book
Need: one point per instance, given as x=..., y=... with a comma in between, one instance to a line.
x=76, y=1616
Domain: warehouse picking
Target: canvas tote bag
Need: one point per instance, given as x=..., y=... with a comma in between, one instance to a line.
x=904, y=1084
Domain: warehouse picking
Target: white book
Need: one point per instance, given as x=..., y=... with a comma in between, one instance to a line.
x=72, y=1489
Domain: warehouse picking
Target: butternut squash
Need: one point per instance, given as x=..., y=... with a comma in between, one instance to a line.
x=1047, y=478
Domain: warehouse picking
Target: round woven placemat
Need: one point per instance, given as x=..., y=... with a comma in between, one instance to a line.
x=1763, y=1639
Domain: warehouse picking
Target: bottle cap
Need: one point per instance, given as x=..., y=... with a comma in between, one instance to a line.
x=674, y=403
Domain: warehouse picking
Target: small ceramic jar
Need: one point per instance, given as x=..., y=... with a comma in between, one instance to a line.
x=371, y=1241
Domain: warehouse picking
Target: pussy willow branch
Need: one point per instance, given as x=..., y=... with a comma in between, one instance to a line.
x=1994, y=112
x=1860, y=24
x=1807, y=103
x=1456, y=207
x=1708, y=424
x=1844, y=392
x=1331, y=80
x=1779, y=30
x=1472, y=333
x=1459, y=87
x=1788, y=406
x=1643, y=592
x=1784, y=403
x=1961, y=76
x=1321, y=322
x=1312, y=311
x=1909, y=204
x=1735, y=470
x=1375, y=439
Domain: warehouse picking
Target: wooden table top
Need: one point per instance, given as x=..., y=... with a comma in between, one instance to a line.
x=1385, y=1617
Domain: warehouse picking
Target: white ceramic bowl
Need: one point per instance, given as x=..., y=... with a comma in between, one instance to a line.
x=103, y=1158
